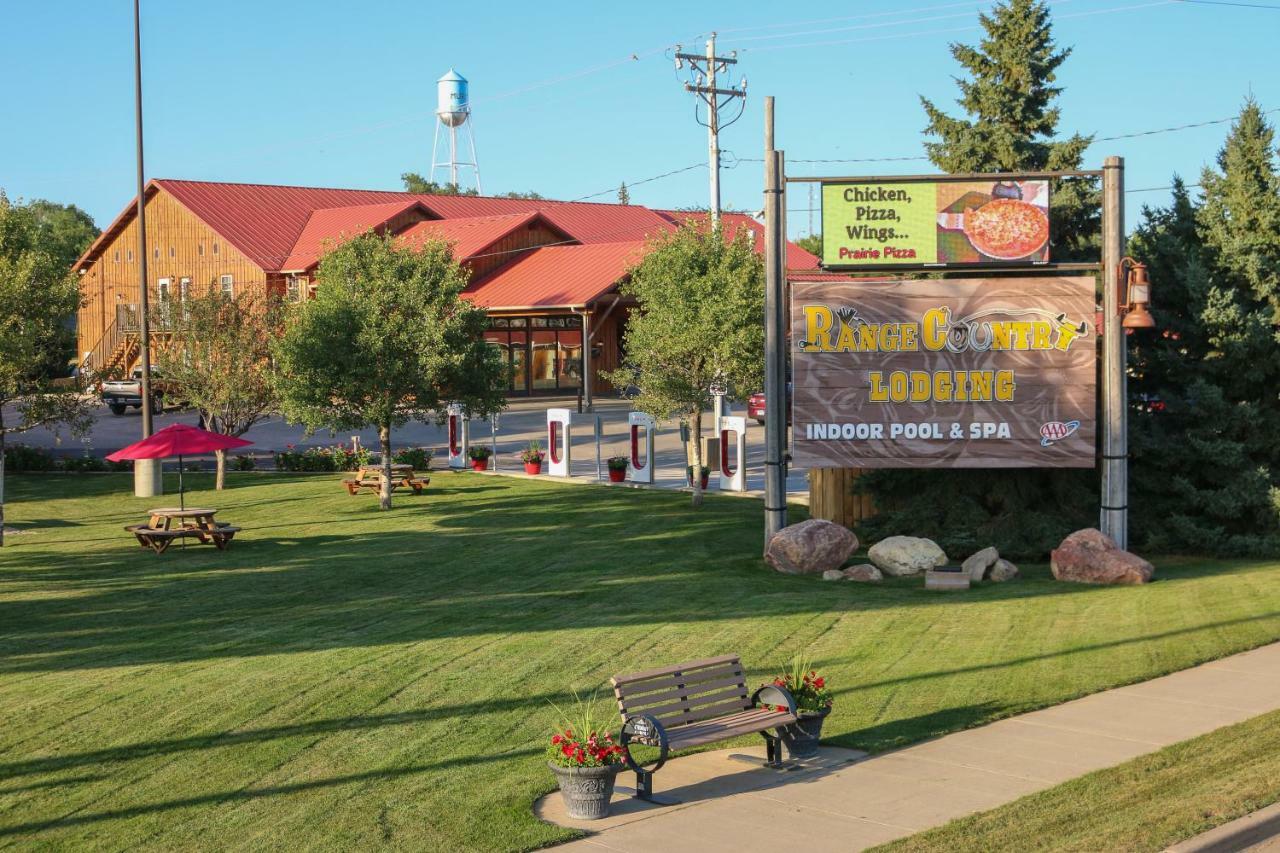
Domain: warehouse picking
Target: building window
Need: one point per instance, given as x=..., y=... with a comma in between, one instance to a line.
x=228, y=285
x=294, y=287
x=173, y=251
x=200, y=248
x=156, y=253
x=215, y=248
x=129, y=256
x=162, y=286
x=184, y=288
x=117, y=256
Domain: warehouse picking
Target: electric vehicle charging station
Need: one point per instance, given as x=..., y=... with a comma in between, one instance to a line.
x=642, y=429
x=559, y=442
x=733, y=453
x=459, y=437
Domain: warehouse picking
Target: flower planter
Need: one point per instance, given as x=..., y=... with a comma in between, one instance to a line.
x=479, y=464
x=801, y=738
x=586, y=790
x=617, y=475
x=532, y=468
x=706, y=480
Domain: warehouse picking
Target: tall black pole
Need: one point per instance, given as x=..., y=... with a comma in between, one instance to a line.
x=144, y=325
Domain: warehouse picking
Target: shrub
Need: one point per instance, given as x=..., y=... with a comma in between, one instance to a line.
x=418, y=457
x=22, y=457
x=244, y=462
x=336, y=458
x=81, y=464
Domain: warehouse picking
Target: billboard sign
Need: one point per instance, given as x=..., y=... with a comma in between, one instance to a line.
x=955, y=373
x=939, y=223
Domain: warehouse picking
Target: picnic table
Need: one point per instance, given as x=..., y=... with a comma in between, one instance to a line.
x=192, y=522
x=370, y=477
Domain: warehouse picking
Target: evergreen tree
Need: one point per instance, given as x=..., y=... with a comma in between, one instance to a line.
x=1011, y=125
x=1202, y=390
x=624, y=195
x=1012, y=118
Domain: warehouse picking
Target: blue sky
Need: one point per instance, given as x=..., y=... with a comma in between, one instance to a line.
x=341, y=94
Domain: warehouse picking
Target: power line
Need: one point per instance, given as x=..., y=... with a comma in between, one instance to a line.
x=1225, y=3
x=631, y=184
x=1176, y=127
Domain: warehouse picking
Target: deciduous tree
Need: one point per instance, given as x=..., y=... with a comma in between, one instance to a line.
x=700, y=320
x=219, y=360
x=37, y=293
x=387, y=339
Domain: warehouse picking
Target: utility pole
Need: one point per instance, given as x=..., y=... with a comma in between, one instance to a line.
x=705, y=71
x=775, y=383
x=146, y=472
x=1115, y=411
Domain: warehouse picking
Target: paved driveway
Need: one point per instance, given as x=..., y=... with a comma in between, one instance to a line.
x=523, y=421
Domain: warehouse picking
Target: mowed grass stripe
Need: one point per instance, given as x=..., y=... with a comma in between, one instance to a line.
x=343, y=677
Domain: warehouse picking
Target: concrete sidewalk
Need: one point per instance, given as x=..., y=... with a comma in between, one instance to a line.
x=848, y=801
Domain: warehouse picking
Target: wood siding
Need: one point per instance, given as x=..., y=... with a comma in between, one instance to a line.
x=508, y=248
x=179, y=245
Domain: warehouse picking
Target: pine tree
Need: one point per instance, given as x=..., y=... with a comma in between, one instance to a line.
x=1009, y=97
x=624, y=195
x=1011, y=126
x=1202, y=389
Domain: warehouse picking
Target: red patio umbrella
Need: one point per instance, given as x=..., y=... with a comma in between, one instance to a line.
x=178, y=440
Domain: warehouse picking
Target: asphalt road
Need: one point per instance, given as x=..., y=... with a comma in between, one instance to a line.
x=524, y=421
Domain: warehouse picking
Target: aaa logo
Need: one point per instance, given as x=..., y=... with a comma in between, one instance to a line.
x=1055, y=431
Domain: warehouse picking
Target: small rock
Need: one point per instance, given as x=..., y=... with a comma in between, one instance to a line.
x=906, y=555
x=977, y=565
x=1002, y=570
x=833, y=575
x=865, y=572
x=810, y=547
x=1090, y=556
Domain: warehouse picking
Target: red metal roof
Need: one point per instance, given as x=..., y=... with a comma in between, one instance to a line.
x=470, y=235
x=267, y=222
x=333, y=223
x=556, y=276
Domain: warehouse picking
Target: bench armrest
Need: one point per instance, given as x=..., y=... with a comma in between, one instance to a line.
x=642, y=728
x=774, y=695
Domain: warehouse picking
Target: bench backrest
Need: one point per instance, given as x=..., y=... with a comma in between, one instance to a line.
x=685, y=692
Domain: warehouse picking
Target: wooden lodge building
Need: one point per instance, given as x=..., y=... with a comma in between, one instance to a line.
x=547, y=272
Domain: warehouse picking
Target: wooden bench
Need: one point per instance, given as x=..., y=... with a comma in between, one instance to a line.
x=693, y=704
x=159, y=539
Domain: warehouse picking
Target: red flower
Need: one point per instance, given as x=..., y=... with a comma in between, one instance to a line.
x=567, y=749
x=819, y=683
x=782, y=709
x=556, y=738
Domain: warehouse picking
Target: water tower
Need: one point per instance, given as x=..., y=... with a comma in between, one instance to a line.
x=453, y=112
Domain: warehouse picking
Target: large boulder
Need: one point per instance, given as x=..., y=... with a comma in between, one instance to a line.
x=1002, y=570
x=1091, y=556
x=863, y=573
x=976, y=566
x=810, y=547
x=906, y=555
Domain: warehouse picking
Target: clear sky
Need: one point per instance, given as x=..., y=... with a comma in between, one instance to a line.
x=327, y=93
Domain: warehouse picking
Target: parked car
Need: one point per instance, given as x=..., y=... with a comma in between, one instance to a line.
x=755, y=406
x=122, y=394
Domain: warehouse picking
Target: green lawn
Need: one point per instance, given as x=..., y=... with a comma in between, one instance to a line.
x=1145, y=804
x=344, y=677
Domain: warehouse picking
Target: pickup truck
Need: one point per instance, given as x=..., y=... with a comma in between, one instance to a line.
x=122, y=394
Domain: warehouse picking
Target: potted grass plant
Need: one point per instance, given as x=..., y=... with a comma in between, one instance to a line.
x=813, y=704
x=480, y=458
x=532, y=457
x=585, y=760
x=617, y=468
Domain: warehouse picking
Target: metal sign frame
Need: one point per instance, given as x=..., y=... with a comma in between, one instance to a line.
x=1114, y=445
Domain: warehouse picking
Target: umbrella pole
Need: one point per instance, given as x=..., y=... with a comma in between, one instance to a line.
x=182, y=499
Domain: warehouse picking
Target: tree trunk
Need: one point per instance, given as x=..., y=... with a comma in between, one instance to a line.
x=695, y=452
x=221, y=479
x=384, y=496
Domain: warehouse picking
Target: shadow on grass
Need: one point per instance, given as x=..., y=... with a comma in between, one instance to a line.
x=249, y=794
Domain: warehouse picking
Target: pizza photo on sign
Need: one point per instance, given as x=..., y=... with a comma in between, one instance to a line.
x=1004, y=221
